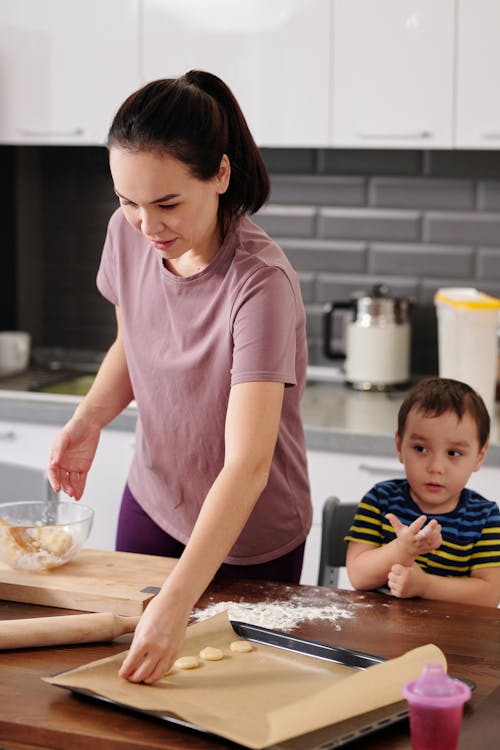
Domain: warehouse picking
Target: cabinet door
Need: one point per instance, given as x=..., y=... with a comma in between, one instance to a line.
x=273, y=55
x=65, y=67
x=478, y=74
x=105, y=484
x=392, y=73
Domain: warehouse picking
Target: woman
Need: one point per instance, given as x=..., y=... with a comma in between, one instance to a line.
x=211, y=345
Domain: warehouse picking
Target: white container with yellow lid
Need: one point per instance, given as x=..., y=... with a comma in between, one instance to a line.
x=468, y=322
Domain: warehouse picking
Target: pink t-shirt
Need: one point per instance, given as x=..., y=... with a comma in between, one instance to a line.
x=187, y=341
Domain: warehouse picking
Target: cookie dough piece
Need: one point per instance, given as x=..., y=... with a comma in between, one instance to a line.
x=241, y=647
x=186, y=662
x=210, y=653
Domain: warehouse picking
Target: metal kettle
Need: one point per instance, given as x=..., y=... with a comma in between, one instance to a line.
x=376, y=338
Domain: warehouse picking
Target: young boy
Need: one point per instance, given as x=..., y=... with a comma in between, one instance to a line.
x=442, y=437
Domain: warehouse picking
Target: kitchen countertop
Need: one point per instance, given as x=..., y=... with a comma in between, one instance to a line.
x=34, y=713
x=336, y=418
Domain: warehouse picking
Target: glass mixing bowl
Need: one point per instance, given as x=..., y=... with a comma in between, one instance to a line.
x=39, y=535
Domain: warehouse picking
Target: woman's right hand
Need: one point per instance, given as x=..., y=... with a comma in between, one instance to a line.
x=71, y=456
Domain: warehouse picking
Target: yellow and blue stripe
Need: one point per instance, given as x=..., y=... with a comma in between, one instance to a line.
x=471, y=532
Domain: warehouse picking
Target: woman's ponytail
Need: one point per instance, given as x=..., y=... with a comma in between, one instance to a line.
x=196, y=119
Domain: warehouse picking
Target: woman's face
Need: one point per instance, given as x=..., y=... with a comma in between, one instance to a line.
x=174, y=210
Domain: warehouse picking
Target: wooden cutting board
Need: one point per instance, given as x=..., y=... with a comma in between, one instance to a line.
x=95, y=581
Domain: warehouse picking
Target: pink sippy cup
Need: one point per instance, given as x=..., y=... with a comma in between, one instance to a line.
x=436, y=704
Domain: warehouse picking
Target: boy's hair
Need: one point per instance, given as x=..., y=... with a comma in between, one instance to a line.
x=435, y=396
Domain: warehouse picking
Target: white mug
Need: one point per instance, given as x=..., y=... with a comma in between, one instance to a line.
x=14, y=351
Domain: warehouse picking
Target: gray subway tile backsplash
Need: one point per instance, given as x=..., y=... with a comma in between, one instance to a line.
x=314, y=320
x=462, y=227
x=369, y=161
x=293, y=221
x=290, y=160
x=421, y=192
x=488, y=195
x=307, y=286
x=324, y=255
x=368, y=224
x=461, y=163
x=319, y=190
x=347, y=219
x=488, y=263
x=421, y=260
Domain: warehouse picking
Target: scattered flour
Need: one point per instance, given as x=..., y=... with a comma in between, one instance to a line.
x=278, y=615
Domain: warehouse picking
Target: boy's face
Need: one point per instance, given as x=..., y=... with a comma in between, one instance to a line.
x=439, y=455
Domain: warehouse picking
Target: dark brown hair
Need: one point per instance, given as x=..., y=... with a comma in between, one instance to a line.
x=435, y=396
x=196, y=119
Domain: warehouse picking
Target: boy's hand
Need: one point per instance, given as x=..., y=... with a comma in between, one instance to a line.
x=430, y=536
x=414, y=540
x=406, y=581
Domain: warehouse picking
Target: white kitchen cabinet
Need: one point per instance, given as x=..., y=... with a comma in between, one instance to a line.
x=28, y=444
x=273, y=55
x=65, y=67
x=105, y=485
x=478, y=74
x=393, y=68
x=486, y=481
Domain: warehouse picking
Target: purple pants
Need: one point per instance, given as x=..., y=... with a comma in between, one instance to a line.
x=137, y=532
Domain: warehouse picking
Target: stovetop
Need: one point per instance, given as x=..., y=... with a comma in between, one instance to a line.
x=50, y=366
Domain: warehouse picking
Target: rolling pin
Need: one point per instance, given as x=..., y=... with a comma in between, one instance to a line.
x=64, y=629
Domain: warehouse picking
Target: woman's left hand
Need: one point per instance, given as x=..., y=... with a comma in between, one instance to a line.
x=157, y=640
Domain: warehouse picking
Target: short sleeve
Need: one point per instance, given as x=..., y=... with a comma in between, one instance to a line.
x=263, y=326
x=486, y=552
x=106, y=275
x=367, y=524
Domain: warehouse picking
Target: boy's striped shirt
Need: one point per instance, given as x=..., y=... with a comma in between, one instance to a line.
x=471, y=532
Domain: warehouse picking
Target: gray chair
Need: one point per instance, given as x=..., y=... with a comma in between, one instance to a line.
x=336, y=521
x=18, y=482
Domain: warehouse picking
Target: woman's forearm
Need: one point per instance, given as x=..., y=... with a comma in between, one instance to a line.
x=223, y=516
x=252, y=425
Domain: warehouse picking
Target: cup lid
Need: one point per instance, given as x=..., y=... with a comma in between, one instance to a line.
x=435, y=688
x=466, y=298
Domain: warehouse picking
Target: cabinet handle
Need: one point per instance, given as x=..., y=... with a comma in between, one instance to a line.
x=495, y=136
x=8, y=435
x=50, y=133
x=387, y=471
x=395, y=136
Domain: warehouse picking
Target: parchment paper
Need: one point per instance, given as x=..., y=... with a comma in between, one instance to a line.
x=259, y=698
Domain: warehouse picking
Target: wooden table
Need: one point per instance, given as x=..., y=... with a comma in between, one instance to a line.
x=34, y=714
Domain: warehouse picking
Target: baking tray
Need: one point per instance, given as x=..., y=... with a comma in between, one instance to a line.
x=333, y=736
